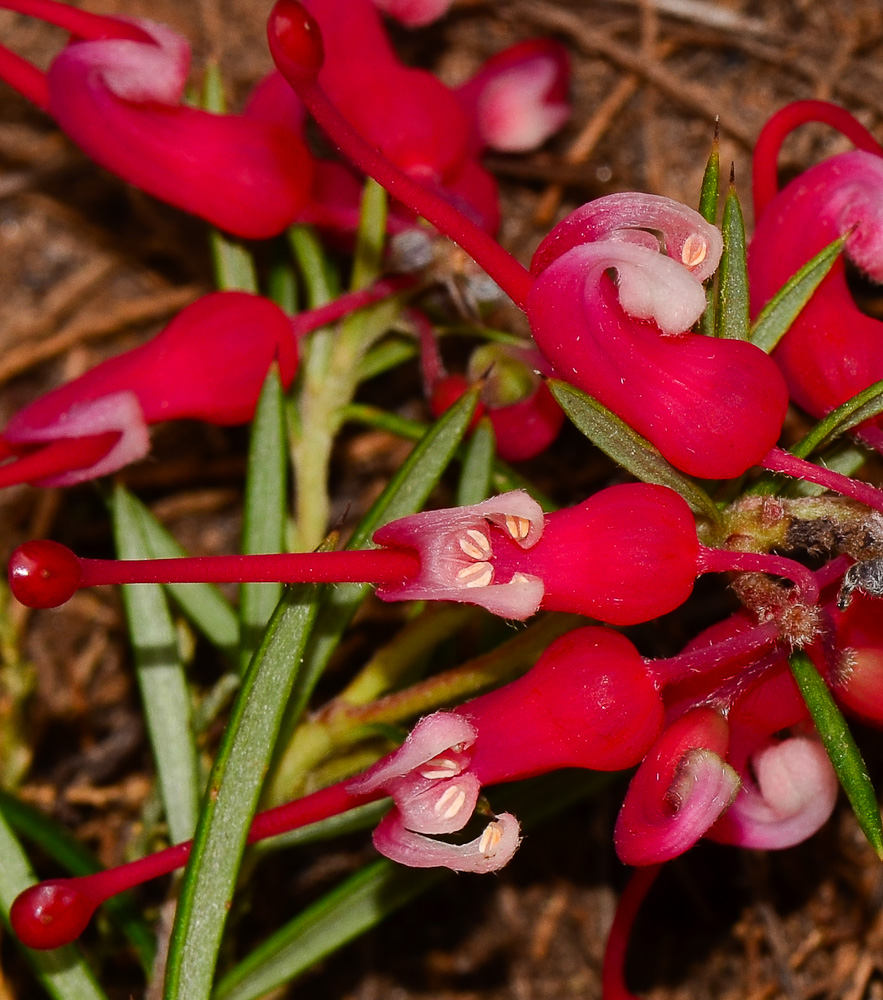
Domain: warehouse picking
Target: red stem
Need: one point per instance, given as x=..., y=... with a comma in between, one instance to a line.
x=677, y=668
x=359, y=566
x=508, y=273
x=312, y=319
x=27, y=79
x=58, y=457
x=613, y=970
x=779, y=460
x=769, y=143
x=725, y=560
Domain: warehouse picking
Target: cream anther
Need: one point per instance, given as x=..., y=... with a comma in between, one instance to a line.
x=491, y=837
x=439, y=767
x=475, y=544
x=694, y=251
x=477, y=574
x=452, y=801
x=518, y=527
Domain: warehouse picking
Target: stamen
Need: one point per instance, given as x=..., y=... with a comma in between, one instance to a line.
x=518, y=527
x=493, y=834
x=694, y=251
x=477, y=574
x=454, y=793
x=475, y=544
x=439, y=767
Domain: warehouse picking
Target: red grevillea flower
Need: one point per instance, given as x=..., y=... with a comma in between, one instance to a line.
x=588, y=702
x=713, y=407
x=208, y=364
x=625, y=555
x=832, y=350
x=117, y=89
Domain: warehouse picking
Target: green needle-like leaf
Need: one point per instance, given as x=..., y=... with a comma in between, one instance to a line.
x=161, y=679
x=62, y=972
x=863, y=406
x=709, y=197
x=627, y=448
x=265, y=510
x=371, y=236
x=845, y=755
x=356, y=905
x=477, y=469
x=780, y=312
x=732, y=309
x=231, y=799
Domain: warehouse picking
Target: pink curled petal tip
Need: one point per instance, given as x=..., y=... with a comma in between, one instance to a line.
x=456, y=547
x=518, y=98
x=118, y=411
x=649, y=220
x=788, y=796
x=488, y=852
x=431, y=737
x=679, y=791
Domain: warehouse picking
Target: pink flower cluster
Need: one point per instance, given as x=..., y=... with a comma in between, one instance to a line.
x=723, y=743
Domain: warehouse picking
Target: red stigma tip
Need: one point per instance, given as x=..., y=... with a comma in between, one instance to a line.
x=50, y=914
x=295, y=40
x=43, y=574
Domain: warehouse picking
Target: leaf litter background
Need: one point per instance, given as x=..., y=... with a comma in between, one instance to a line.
x=90, y=267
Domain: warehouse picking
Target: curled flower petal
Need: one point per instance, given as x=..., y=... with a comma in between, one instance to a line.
x=648, y=220
x=487, y=853
x=117, y=411
x=678, y=792
x=439, y=738
x=786, y=796
x=456, y=547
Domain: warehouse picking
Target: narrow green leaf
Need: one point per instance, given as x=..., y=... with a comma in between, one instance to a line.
x=780, y=312
x=732, y=309
x=68, y=852
x=388, y=354
x=356, y=905
x=709, y=197
x=202, y=603
x=319, y=277
x=232, y=796
x=369, y=896
x=282, y=286
x=265, y=510
x=63, y=973
x=233, y=265
x=627, y=448
x=477, y=468
x=863, y=406
x=845, y=755
x=371, y=236
x=161, y=679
